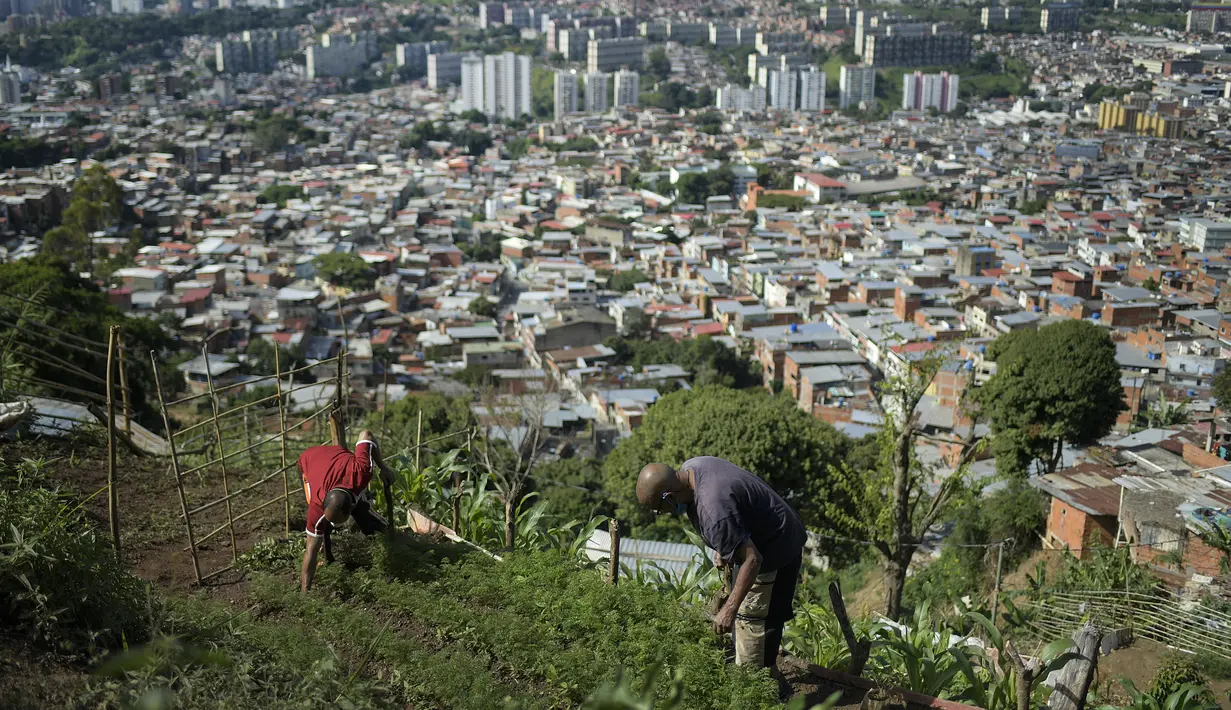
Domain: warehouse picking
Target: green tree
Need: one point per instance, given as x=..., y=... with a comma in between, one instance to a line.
x=1055, y=385
x=97, y=203
x=441, y=415
x=279, y=194
x=345, y=270
x=260, y=357
x=1222, y=389
x=624, y=281
x=657, y=64
x=483, y=306
x=769, y=436
x=892, y=506
x=709, y=360
x=272, y=134
x=572, y=488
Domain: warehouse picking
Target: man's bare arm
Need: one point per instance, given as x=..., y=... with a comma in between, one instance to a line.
x=749, y=559
x=308, y=571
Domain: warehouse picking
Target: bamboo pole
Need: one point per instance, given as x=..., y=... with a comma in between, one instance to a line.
x=613, y=566
x=175, y=467
x=128, y=410
x=112, y=500
x=286, y=484
x=226, y=483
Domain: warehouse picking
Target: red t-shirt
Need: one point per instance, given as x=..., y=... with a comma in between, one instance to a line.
x=325, y=468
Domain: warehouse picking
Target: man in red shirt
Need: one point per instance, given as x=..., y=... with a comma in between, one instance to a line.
x=335, y=483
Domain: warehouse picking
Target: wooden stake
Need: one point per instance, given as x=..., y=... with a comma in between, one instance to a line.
x=286, y=484
x=175, y=467
x=222, y=461
x=613, y=566
x=996, y=588
x=1073, y=682
x=418, y=441
x=859, y=649
x=112, y=502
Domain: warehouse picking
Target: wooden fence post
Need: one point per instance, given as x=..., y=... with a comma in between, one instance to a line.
x=613, y=562
x=1074, y=681
x=222, y=454
x=859, y=648
x=112, y=501
x=286, y=484
x=175, y=467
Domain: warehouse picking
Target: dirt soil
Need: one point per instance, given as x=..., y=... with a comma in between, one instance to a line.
x=1139, y=662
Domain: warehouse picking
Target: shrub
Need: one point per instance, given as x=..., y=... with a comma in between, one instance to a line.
x=58, y=579
x=1176, y=671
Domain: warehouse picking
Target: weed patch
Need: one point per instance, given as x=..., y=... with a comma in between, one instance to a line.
x=59, y=581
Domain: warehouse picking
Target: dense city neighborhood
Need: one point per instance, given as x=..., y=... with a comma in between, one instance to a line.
x=981, y=250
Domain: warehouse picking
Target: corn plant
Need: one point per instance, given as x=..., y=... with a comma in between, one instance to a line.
x=814, y=635
x=916, y=657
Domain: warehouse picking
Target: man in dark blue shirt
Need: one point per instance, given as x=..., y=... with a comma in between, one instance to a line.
x=747, y=524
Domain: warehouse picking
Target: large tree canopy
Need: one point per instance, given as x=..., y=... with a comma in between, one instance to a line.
x=707, y=359
x=764, y=434
x=1055, y=385
x=345, y=270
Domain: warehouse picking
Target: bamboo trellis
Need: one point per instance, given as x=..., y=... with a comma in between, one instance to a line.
x=211, y=435
x=1184, y=624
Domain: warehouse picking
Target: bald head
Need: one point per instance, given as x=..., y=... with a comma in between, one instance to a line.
x=654, y=480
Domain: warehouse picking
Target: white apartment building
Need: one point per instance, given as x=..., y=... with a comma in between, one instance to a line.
x=565, y=84
x=856, y=84
x=781, y=89
x=737, y=98
x=812, y=83
x=627, y=88
x=473, y=88
x=506, y=79
x=923, y=91
x=1205, y=235
x=10, y=87
x=598, y=89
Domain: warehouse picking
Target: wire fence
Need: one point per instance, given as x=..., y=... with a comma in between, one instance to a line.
x=248, y=449
x=1184, y=624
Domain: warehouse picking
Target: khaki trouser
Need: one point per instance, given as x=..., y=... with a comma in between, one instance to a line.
x=750, y=621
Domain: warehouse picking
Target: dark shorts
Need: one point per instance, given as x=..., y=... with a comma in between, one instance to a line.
x=782, y=597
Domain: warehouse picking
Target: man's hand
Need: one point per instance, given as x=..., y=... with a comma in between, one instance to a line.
x=718, y=561
x=724, y=620
x=308, y=570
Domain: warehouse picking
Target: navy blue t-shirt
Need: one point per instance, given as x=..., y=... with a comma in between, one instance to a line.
x=733, y=506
